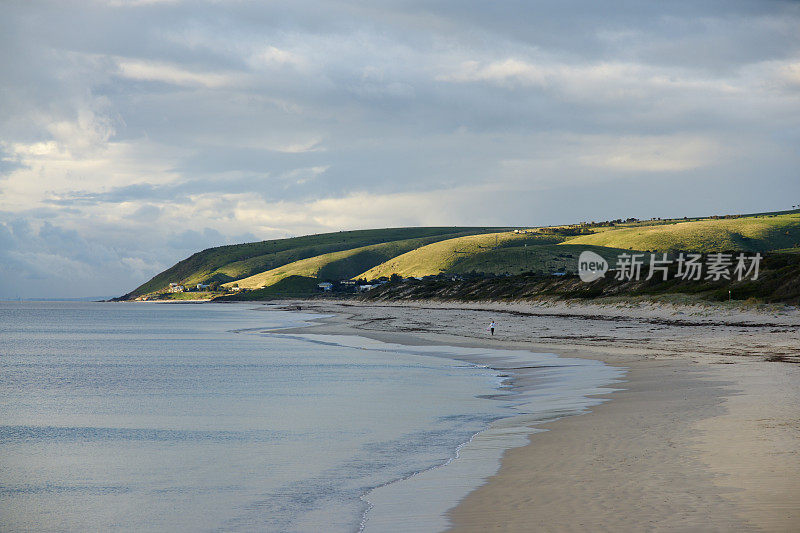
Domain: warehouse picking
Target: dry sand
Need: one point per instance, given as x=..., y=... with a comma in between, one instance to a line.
x=705, y=435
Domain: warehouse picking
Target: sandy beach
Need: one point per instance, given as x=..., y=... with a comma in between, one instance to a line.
x=704, y=436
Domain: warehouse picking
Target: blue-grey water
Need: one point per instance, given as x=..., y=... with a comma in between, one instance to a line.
x=153, y=417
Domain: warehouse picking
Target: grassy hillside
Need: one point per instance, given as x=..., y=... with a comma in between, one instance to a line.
x=544, y=258
x=288, y=287
x=419, y=252
x=779, y=281
x=554, y=249
x=344, y=264
x=492, y=253
x=440, y=256
x=752, y=234
x=232, y=262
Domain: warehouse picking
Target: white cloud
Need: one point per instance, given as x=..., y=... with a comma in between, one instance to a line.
x=271, y=56
x=89, y=131
x=173, y=74
x=595, y=81
x=651, y=154
x=50, y=169
x=505, y=71
x=776, y=76
x=312, y=145
x=361, y=210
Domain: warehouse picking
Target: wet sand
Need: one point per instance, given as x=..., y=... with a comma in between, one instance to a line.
x=705, y=435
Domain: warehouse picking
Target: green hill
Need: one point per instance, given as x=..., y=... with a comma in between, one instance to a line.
x=419, y=252
x=237, y=261
x=759, y=233
x=492, y=253
x=333, y=266
x=440, y=256
x=556, y=248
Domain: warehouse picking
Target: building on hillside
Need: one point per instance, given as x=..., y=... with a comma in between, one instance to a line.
x=202, y=286
x=176, y=287
x=325, y=286
x=364, y=288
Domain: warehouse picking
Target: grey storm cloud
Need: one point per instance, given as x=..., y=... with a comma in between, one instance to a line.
x=136, y=132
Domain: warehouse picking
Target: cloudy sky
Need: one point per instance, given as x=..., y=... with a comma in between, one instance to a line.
x=133, y=133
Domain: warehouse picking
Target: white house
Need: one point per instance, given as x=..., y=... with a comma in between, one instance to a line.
x=176, y=287
x=325, y=285
x=202, y=287
x=364, y=288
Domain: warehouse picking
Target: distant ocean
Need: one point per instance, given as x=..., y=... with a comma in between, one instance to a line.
x=181, y=417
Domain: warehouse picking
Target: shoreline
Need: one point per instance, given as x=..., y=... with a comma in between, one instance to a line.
x=562, y=387
x=689, y=443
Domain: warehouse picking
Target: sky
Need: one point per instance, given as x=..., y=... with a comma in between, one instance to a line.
x=135, y=133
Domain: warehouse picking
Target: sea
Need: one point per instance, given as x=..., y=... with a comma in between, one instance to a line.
x=203, y=417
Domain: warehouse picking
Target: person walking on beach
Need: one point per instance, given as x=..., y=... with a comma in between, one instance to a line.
x=491, y=328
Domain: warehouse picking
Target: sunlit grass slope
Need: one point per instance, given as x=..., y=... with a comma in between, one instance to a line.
x=441, y=256
x=538, y=258
x=232, y=262
x=335, y=265
x=290, y=286
x=553, y=251
x=417, y=252
x=756, y=233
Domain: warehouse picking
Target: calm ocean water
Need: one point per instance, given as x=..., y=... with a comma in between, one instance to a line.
x=151, y=417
